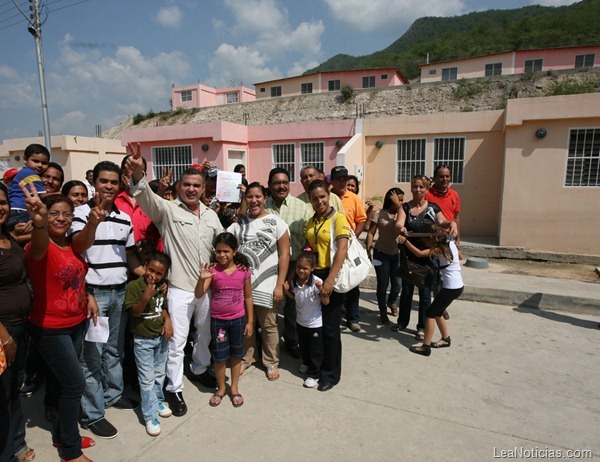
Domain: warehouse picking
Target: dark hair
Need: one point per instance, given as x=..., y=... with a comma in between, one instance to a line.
x=256, y=184
x=439, y=167
x=36, y=149
x=4, y=189
x=50, y=199
x=161, y=258
x=154, y=185
x=88, y=171
x=124, y=161
x=66, y=189
x=106, y=166
x=192, y=171
x=441, y=243
x=230, y=240
x=353, y=177
x=58, y=167
x=309, y=255
x=314, y=184
x=145, y=248
x=308, y=167
x=277, y=171
x=238, y=167
x=387, y=200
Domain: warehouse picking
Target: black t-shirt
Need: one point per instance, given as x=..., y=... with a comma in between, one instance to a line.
x=415, y=224
x=14, y=292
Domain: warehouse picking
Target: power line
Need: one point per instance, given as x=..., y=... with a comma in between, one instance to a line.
x=47, y=12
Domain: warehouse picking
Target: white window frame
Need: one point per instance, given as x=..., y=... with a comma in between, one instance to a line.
x=534, y=65
x=277, y=90
x=186, y=95
x=493, y=69
x=452, y=154
x=585, y=60
x=583, y=158
x=232, y=97
x=284, y=156
x=306, y=88
x=449, y=74
x=411, y=155
x=177, y=157
x=312, y=153
x=368, y=81
x=334, y=85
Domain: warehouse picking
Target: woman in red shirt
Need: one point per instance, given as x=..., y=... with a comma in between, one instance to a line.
x=59, y=314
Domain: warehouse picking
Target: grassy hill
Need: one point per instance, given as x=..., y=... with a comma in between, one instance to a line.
x=480, y=33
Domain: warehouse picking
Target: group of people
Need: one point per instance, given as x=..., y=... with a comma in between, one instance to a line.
x=159, y=265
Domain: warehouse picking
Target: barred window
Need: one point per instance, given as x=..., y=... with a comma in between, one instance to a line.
x=585, y=60
x=284, y=157
x=312, y=154
x=451, y=153
x=449, y=73
x=493, y=69
x=533, y=65
x=333, y=85
x=306, y=88
x=176, y=157
x=410, y=159
x=186, y=95
x=583, y=159
x=232, y=97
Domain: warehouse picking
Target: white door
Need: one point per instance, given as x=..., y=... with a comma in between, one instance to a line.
x=235, y=157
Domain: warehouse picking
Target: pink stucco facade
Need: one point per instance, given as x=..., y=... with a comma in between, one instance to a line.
x=323, y=82
x=196, y=96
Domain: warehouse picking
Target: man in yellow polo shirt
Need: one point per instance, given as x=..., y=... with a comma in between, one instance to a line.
x=357, y=217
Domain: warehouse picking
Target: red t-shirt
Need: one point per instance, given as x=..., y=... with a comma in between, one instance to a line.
x=143, y=228
x=449, y=202
x=58, y=280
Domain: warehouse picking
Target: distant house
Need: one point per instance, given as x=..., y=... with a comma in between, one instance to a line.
x=323, y=82
x=193, y=96
x=512, y=62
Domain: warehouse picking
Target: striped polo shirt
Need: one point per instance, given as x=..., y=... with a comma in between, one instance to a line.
x=107, y=257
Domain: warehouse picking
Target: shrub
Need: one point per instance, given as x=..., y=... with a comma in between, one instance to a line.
x=570, y=87
x=347, y=93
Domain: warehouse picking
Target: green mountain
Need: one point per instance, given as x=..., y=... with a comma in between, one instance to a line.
x=480, y=33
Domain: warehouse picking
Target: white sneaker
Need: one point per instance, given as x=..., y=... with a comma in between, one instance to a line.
x=164, y=410
x=311, y=383
x=303, y=369
x=153, y=427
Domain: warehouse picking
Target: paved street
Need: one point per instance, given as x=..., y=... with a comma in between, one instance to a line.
x=513, y=378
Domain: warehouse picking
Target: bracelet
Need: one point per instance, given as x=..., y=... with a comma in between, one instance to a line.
x=40, y=227
x=10, y=339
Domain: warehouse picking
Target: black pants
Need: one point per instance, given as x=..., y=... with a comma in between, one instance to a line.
x=311, y=348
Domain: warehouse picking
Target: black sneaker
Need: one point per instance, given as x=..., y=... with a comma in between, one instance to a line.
x=102, y=429
x=205, y=379
x=30, y=385
x=125, y=404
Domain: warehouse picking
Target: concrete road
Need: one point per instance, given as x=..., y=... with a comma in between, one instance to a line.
x=514, y=380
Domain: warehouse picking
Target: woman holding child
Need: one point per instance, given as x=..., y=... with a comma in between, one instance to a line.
x=318, y=235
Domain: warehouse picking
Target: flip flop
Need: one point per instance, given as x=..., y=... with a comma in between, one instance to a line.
x=214, y=397
x=272, y=373
x=237, y=397
x=28, y=454
x=86, y=443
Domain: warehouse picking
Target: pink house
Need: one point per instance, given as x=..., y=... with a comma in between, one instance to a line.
x=193, y=96
x=512, y=62
x=323, y=82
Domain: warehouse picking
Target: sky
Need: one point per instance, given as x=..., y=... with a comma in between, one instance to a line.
x=107, y=59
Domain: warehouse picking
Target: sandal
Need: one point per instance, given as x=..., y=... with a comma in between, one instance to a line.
x=213, y=399
x=423, y=350
x=237, y=400
x=420, y=336
x=27, y=454
x=394, y=308
x=272, y=373
x=446, y=344
x=86, y=443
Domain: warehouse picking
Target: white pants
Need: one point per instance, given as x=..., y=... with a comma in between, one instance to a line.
x=182, y=305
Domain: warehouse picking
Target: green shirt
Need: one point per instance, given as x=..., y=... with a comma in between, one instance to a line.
x=151, y=321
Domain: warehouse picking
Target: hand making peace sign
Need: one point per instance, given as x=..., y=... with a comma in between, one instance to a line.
x=36, y=208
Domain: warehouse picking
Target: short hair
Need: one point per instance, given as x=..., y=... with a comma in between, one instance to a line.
x=439, y=167
x=154, y=185
x=87, y=172
x=162, y=258
x=36, y=149
x=124, y=161
x=106, y=166
x=50, y=199
x=192, y=171
x=58, y=167
x=277, y=171
x=314, y=184
x=308, y=167
x=256, y=184
x=66, y=189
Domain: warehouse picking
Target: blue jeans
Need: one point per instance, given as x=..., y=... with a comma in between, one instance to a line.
x=151, y=359
x=102, y=363
x=60, y=349
x=351, y=299
x=406, y=302
x=386, y=272
x=12, y=422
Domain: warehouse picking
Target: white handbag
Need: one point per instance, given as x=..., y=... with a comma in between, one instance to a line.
x=356, y=265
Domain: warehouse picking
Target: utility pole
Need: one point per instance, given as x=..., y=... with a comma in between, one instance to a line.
x=35, y=29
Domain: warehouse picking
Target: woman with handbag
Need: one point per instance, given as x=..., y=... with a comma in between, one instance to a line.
x=412, y=217
x=14, y=309
x=319, y=237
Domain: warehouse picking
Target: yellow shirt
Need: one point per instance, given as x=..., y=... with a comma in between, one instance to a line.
x=318, y=236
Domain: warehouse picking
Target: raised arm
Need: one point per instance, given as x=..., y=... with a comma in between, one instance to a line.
x=204, y=280
x=85, y=238
x=444, y=223
x=39, y=219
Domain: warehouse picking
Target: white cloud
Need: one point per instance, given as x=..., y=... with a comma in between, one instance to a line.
x=17, y=90
x=169, y=16
x=390, y=15
x=239, y=63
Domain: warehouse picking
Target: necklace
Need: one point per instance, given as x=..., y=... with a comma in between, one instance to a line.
x=419, y=206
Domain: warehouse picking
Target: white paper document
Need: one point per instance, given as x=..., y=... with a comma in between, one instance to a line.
x=97, y=332
x=227, y=186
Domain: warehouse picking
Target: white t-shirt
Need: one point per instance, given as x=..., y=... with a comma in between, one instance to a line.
x=308, y=303
x=451, y=275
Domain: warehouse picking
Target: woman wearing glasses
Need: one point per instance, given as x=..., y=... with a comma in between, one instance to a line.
x=412, y=217
x=60, y=310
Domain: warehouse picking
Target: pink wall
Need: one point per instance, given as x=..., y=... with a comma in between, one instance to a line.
x=204, y=96
x=555, y=58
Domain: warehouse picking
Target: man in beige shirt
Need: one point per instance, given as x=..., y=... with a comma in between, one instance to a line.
x=308, y=174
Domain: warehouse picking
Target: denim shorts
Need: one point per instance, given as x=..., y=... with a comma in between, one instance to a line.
x=227, y=338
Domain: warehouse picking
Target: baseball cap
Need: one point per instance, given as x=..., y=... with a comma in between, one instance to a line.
x=10, y=173
x=338, y=172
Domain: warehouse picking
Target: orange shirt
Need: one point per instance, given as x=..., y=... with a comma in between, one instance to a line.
x=353, y=209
